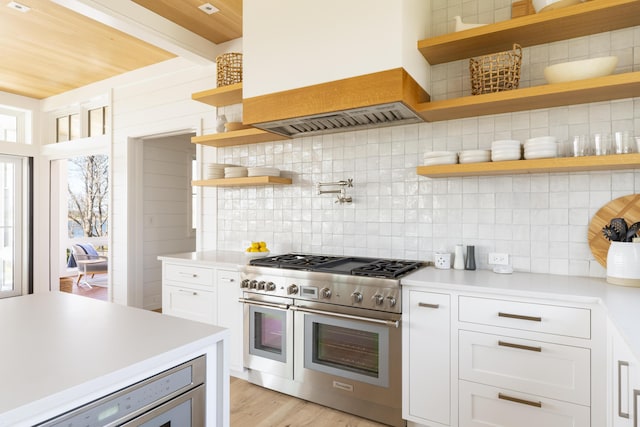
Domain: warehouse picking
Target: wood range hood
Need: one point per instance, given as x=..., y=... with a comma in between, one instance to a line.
x=383, y=98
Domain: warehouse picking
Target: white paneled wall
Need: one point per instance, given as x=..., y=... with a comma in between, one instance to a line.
x=166, y=208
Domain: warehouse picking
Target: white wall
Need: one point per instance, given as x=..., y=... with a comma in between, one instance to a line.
x=290, y=44
x=166, y=208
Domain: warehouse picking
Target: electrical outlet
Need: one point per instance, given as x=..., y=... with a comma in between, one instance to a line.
x=442, y=260
x=498, y=258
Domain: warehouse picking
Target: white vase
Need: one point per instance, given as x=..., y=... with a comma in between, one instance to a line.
x=623, y=264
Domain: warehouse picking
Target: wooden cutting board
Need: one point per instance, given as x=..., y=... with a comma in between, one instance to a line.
x=627, y=207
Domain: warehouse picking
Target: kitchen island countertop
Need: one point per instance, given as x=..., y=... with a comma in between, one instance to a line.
x=621, y=303
x=60, y=351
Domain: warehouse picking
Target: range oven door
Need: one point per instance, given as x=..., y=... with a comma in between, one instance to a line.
x=268, y=335
x=350, y=359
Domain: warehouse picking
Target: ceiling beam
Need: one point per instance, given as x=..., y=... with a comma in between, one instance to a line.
x=139, y=22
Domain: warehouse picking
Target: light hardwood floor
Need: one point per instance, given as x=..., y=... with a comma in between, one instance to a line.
x=254, y=406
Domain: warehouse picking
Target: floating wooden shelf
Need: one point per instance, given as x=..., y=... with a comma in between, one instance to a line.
x=220, y=96
x=239, y=182
x=559, y=164
x=591, y=17
x=617, y=86
x=237, y=137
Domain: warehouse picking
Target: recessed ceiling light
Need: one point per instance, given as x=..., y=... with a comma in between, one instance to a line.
x=208, y=8
x=18, y=6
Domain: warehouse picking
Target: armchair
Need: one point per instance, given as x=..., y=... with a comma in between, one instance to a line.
x=89, y=262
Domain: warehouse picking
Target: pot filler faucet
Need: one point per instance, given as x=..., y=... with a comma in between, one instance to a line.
x=342, y=196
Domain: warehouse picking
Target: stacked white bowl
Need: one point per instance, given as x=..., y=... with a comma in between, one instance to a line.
x=263, y=171
x=235, y=172
x=440, y=158
x=506, y=149
x=542, y=147
x=215, y=170
x=474, y=156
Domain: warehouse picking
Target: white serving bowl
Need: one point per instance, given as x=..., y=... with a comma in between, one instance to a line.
x=546, y=5
x=580, y=70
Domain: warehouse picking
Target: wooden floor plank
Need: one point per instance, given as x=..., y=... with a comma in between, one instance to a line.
x=254, y=406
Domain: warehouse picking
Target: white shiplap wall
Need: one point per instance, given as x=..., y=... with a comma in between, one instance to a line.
x=166, y=208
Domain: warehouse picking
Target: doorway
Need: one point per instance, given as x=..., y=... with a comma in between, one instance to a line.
x=79, y=224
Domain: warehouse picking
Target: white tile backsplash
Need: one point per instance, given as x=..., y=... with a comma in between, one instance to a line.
x=541, y=220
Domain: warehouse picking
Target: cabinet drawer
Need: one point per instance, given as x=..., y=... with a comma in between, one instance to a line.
x=482, y=406
x=550, y=319
x=533, y=367
x=189, y=274
x=189, y=304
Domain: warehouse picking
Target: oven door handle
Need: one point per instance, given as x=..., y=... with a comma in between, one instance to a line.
x=394, y=323
x=263, y=303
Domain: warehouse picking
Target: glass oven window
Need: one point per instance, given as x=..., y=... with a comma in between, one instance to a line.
x=267, y=332
x=346, y=348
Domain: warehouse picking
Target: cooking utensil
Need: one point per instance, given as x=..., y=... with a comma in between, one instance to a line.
x=610, y=233
x=620, y=225
x=633, y=231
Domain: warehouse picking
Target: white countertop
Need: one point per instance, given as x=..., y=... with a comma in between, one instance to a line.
x=58, y=347
x=621, y=303
x=229, y=259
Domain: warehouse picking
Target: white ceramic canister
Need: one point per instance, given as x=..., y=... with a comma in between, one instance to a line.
x=458, y=258
x=623, y=264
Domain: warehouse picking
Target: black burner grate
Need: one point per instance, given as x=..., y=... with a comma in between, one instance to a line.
x=371, y=267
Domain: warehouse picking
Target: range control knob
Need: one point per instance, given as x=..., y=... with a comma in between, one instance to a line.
x=270, y=286
x=392, y=301
x=292, y=289
x=244, y=283
x=378, y=299
x=356, y=297
x=261, y=285
x=253, y=284
x=325, y=293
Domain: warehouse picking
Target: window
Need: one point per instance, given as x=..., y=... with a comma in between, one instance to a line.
x=98, y=121
x=68, y=127
x=8, y=128
x=15, y=125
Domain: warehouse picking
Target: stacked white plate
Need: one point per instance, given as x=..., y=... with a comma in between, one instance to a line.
x=440, y=158
x=506, y=149
x=263, y=171
x=216, y=170
x=474, y=156
x=541, y=147
x=235, y=172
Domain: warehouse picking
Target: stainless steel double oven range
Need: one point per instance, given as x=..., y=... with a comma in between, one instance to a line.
x=327, y=329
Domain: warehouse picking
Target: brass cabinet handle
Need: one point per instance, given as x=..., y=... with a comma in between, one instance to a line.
x=622, y=363
x=519, y=346
x=518, y=400
x=428, y=305
x=636, y=394
x=520, y=317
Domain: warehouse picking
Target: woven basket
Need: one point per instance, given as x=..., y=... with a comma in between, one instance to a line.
x=229, y=68
x=496, y=72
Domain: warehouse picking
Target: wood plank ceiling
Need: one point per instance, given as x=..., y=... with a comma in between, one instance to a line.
x=51, y=49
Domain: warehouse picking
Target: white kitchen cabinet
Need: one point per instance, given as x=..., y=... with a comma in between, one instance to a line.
x=479, y=359
x=541, y=368
x=189, y=303
x=427, y=358
x=230, y=313
x=205, y=293
x=482, y=405
x=624, y=373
